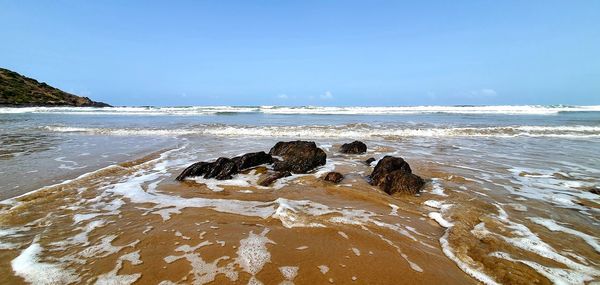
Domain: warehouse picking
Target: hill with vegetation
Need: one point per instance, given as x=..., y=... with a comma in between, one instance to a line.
x=17, y=90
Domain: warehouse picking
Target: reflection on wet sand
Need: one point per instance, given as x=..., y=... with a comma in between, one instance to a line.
x=17, y=144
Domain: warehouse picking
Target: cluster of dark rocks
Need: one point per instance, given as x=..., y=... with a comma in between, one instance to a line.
x=391, y=174
x=285, y=157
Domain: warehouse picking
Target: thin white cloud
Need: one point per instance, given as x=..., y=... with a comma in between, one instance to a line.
x=282, y=96
x=327, y=96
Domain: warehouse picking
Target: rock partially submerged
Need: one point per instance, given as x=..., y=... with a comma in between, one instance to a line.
x=334, y=177
x=224, y=168
x=369, y=161
x=270, y=177
x=406, y=183
x=196, y=169
x=393, y=175
x=297, y=156
x=355, y=147
x=253, y=159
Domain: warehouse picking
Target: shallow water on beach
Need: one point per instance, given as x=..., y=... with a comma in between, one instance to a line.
x=508, y=198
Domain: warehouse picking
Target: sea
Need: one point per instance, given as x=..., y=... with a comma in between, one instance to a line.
x=88, y=195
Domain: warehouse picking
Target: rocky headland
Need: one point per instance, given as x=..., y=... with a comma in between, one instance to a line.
x=17, y=90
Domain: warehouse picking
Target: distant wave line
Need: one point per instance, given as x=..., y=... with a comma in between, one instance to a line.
x=345, y=131
x=307, y=110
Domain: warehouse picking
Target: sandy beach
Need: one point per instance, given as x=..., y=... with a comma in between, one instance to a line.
x=488, y=213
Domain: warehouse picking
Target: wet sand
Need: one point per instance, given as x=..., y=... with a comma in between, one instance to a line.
x=343, y=248
x=133, y=223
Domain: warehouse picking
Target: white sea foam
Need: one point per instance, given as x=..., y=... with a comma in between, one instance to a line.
x=394, y=211
x=203, y=272
x=29, y=266
x=289, y=272
x=475, y=270
x=80, y=238
x=111, y=277
x=433, y=204
x=68, y=164
x=253, y=253
x=436, y=187
x=345, y=131
x=467, y=265
x=84, y=217
x=559, y=276
x=523, y=238
x=541, y=184
x=104, y=248
x=440, y=220
x=555, y=227
x=240, y=180
x=211, y=110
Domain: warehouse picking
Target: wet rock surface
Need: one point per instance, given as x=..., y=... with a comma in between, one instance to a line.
x=221, y=169
x=400, y=182
x=297, y=156
x=355, y=147
x=268, y=178
x=369, y=161
x=196, y=169
x=334, y=177
x=253, y=159
x=224, y=168
x=393, y=175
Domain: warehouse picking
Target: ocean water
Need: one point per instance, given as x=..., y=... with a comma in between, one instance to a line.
x=88, y=194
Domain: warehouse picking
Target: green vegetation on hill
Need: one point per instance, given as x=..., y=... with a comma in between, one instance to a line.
x=19, y=91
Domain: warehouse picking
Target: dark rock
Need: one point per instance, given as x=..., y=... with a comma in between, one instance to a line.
x=595, y=191
x=369, y=161
x=393, y=174
x=297, y=156
x=334, y=177
x=355, y=147
x=402, y=182
x=252, y=159
x=196, y=169
x=268, y=178
x=387, y=165
x=223, y=168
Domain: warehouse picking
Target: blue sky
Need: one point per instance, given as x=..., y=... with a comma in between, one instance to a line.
x=375, y=53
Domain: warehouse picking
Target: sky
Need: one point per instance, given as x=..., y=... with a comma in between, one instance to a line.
x=329, y=53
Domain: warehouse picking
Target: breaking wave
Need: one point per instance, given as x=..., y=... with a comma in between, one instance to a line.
x=345, y=131
x=215, y=110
